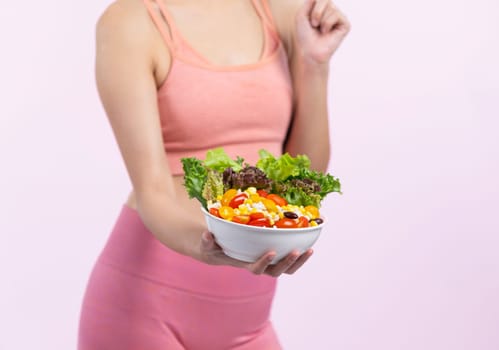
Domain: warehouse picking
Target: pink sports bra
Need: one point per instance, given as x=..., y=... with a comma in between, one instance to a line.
x=202, y=105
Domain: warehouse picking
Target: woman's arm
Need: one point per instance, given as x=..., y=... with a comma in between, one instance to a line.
x=309, y=132
x=127, y=88
x=312, y=31
x=125, y=73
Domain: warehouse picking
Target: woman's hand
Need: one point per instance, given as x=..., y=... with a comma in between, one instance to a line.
x=212, y=254
x=319, y=30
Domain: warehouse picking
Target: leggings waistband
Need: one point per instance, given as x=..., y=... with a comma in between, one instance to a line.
x=132, y=248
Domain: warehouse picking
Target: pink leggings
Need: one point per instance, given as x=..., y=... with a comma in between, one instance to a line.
x=142, y=295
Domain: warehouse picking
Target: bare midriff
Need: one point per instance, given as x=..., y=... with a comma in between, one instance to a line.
x=181, y=200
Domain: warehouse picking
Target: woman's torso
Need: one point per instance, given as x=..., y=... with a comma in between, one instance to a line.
x=239, y=47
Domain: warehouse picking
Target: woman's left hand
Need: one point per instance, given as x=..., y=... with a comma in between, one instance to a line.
x=213, y=254
x=320, y=28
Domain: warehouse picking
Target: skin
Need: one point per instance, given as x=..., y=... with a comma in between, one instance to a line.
x=132, y=61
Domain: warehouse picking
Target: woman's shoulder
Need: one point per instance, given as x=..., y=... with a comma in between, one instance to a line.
x=125, y=21
x=284, y=14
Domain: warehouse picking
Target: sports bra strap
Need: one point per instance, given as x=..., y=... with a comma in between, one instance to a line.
x=165, y=24
x=264, y=9
x=167, y=29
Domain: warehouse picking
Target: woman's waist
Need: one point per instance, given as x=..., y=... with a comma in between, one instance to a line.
x=133, y=248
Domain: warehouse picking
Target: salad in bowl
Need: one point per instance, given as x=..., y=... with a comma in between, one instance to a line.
x=251, y=209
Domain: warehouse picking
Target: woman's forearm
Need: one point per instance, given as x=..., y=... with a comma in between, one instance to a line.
x=314, y=33
x=170, y=223
x=309, y=133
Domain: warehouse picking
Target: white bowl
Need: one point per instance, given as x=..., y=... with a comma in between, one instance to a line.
x=248, y=243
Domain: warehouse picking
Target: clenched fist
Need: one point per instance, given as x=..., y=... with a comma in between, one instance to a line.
x=319, y=29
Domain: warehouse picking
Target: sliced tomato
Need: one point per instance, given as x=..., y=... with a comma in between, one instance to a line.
x=258, y=215
x=303, y=222
x=214, y=212
x=262, y=193
x=263, y=222
x=277, y=199
x=228, y=195
x=238, y=200
x=286, y=223
x=241, y=219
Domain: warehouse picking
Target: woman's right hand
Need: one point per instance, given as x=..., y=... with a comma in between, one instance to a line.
x=212, y=253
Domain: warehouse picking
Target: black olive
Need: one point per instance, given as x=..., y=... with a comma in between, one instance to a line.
x=290, y=215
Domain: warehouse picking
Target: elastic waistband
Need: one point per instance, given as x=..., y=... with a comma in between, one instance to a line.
x=131, y=247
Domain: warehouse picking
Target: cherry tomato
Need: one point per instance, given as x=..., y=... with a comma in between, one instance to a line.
x=214, y=212
x=262, y=222
x=238, y=200
x=262, y=193
x=226, y=212
x=254, y=216
x=303, y=222
x=277, y=199
x=313, y=210
x=241, y=219
x=228, y=195
x=286, y=223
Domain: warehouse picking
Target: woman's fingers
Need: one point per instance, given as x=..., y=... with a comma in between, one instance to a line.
x=207, y=241
x=305, y=12
x=299, y=262
x=343, y=25
x=215, y=255
x=324, y=16
x=334, y=19
x=330, y=18
x=318, y=12
x=284, y=264
x=261, y=265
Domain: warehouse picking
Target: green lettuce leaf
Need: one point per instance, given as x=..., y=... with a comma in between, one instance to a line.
x=327, y=182
x=282, y=168
x=218, y=160
x=290, y=177
x=298, y=196
x=194, y=178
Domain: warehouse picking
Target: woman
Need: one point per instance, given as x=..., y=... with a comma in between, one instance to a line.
x=178, y=77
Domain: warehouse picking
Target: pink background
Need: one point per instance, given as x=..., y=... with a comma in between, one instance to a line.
x=410, y=260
